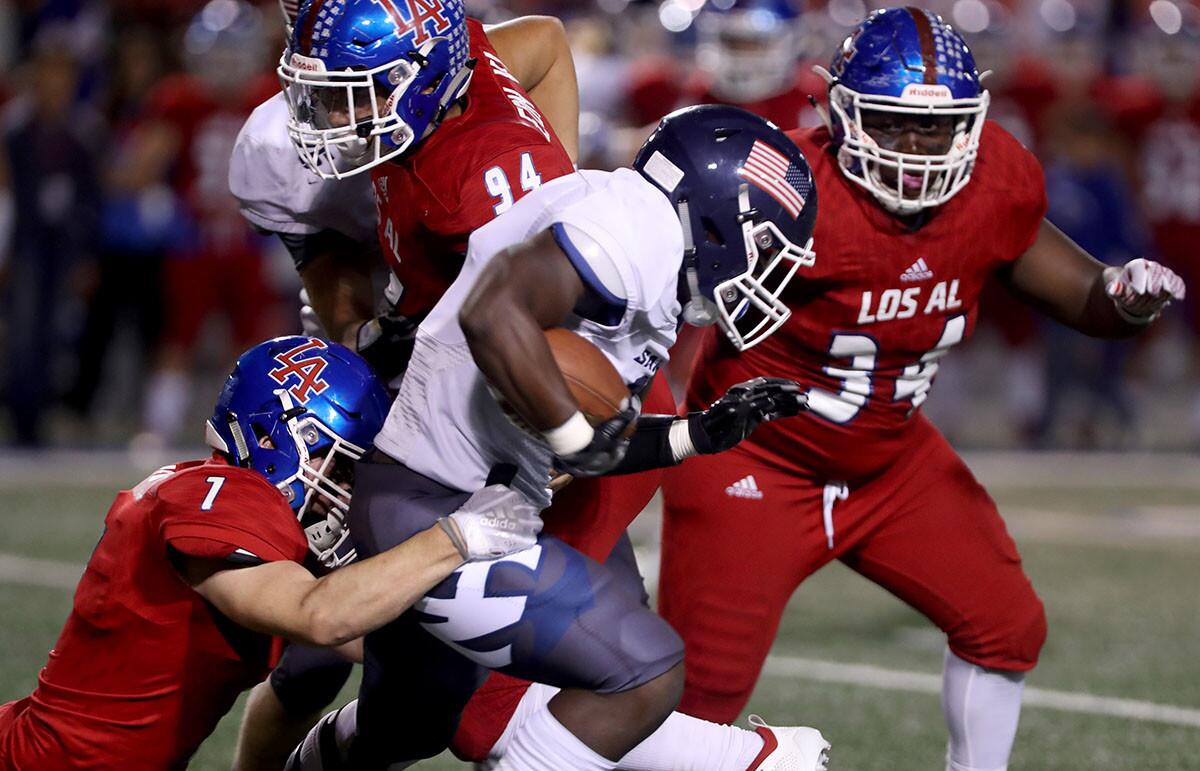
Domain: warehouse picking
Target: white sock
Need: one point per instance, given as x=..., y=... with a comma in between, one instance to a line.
x=544, y=744
x=681, y=743
x=685, y=743
x=982, y=707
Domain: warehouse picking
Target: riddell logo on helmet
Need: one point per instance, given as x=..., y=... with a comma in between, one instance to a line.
x=923, y=91
x=307, y=63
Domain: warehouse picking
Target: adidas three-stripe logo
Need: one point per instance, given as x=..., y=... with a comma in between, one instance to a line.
x=745, y=487
x=918, y=271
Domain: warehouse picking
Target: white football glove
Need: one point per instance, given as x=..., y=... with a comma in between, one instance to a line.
x=1142, y=288
x=310, y=322
x=493, y=522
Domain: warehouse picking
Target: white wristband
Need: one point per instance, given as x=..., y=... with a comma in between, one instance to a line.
x=680, y=438
x=571, y=436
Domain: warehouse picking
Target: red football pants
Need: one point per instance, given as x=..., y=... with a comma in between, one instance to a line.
x=589, y=514
x=740, y=535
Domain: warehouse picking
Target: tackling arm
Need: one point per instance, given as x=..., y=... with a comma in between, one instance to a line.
x=536, y=51
x=283, y=598
x=1072, y=287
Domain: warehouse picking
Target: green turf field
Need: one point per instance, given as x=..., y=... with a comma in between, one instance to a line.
x=1114, y=552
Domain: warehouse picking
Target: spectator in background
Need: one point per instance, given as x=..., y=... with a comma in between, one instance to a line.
x=191, y=123
x=49, y=144
x=1091, y=200
x=139, y=221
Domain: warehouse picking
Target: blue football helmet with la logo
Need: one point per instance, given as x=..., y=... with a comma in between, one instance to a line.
x=747, y=203
x=300, y=411
x=366, y=80
x=906, y=62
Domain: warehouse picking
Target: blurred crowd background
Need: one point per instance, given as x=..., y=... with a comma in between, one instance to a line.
x=128, y=280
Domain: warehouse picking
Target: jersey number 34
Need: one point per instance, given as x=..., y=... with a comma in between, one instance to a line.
x=911, y=384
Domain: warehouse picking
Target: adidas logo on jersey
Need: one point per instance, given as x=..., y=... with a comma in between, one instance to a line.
x=918, y=271
x=745, y=487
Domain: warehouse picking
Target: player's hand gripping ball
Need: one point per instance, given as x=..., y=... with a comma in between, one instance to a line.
x=602, y=397
x=1142, y=288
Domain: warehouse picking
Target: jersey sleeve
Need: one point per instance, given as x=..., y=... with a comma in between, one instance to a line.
x=228, y=514
x=495, y=184
x=1026, y=193
x=277, y=193
x=623, y=233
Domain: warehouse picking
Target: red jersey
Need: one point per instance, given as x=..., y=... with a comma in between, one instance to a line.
x=473, y=167
x=145, y=667
x=658, y=86
x=881, y=305
x=207, y=127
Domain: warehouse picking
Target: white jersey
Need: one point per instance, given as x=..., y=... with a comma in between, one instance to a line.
x=624, y=238
x=277, y=193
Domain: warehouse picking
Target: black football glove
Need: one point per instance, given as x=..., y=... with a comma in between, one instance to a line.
x=608, y=446
x=386, y=343
x=744, y=406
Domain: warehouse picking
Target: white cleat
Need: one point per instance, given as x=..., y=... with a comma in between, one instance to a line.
x=790, y=748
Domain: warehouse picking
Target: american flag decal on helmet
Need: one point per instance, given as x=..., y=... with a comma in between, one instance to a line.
x=769, y=170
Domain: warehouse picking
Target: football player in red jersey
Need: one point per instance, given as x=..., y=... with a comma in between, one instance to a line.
x=203, y=560
x=921, y=201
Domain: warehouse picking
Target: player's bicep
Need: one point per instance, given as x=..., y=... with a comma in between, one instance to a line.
x=1055, y=275
x=267, y=598
x=533, y=279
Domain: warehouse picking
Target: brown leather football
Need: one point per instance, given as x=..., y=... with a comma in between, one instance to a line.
x=593, y=380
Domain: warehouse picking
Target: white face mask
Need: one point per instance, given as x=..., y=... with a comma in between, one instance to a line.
x=906, y=182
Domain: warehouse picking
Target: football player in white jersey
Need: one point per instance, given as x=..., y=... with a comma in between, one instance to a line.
x=710, y=226
x=329, y=228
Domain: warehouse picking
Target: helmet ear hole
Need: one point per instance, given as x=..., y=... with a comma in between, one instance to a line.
x=711, y=233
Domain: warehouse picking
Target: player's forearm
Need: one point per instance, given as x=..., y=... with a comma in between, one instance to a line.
x=339, y=288
x=359, y=598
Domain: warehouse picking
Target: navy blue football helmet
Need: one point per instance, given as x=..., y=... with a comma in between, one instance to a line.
x=749, y=48
x=289, y=403
x=368, y=79
x=906, y=62
x=747, y=203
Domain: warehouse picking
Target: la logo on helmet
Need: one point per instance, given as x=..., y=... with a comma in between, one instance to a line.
x=308, y=371
x=414, y=17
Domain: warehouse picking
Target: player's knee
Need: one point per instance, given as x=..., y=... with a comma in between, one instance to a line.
x=1011, y=642
x=308, y=679
x=651, y=653
x=650, y=703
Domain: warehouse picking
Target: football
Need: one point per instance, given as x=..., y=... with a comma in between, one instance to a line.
x=594, y=382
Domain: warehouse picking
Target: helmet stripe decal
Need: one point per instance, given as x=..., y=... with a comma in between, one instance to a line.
x=928, y=50
x=310, y=23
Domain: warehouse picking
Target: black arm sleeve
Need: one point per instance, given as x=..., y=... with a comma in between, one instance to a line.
x=304, y=247
x=649, y=447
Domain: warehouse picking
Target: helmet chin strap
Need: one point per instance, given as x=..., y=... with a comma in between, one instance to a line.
x=696, y=311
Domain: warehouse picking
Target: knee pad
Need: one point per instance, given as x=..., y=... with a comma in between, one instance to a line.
x=308, y=679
